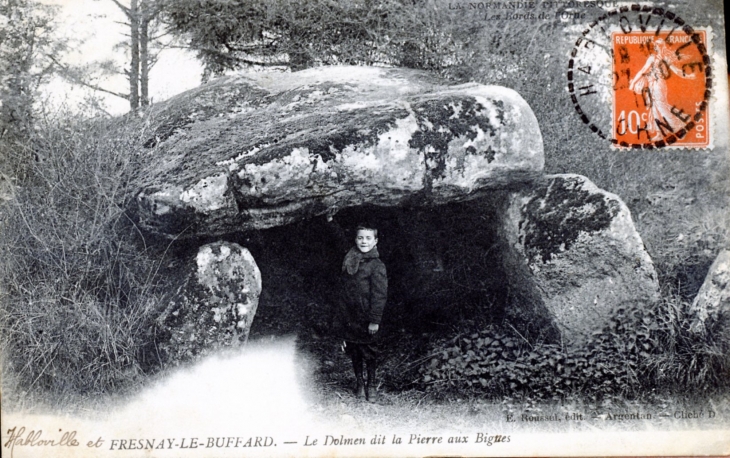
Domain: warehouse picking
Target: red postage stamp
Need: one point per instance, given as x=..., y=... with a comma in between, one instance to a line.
x=660, y=92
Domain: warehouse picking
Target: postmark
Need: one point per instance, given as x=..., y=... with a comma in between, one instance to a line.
x=641, y=77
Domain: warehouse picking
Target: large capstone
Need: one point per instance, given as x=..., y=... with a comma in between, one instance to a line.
x=215, y=305
x=573, y=258
x=254, y=152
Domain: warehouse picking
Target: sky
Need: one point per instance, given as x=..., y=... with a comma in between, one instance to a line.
x=94, y=28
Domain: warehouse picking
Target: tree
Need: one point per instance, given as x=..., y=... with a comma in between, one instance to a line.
x=142, y=45
x=231, y=34
x=142, y=16
x=28, y=47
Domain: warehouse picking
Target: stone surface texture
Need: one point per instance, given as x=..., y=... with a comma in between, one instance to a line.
x=711, y=306
x=216, y=304
x=250, y=152
x=254, y=152
x=574, y=257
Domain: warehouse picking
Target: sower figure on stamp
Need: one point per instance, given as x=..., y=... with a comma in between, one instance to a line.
x=651, y=83
x=364, y=293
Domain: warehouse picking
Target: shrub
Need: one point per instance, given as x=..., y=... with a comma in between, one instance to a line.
x=690, y=361
x=642, y=349
x=78, y=283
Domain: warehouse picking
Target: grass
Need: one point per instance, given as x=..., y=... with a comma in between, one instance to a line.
x=78, y=285
x=85, y=327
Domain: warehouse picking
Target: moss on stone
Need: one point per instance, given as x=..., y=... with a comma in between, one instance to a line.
x=327, y=134
x=442, y=120
x=559, y=212
x=213, y=307
x=328, y=146
x=270, y=137
x=200, y=105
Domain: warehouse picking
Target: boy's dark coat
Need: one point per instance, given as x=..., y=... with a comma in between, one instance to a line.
x=363, y=298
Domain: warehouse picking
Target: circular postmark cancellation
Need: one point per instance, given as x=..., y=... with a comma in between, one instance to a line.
x=640, y=77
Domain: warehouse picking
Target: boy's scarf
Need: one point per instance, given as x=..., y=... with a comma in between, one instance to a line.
x=353, y=257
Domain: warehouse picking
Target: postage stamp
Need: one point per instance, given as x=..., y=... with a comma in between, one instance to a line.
x=661, y=79
x=659, y=92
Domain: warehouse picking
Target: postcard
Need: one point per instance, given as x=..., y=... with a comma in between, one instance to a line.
x=364, y=228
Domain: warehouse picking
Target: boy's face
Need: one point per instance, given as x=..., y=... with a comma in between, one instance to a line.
x=365, y=240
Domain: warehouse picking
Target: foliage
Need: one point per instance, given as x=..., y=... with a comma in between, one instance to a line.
x=79, y=286
x=640, y=350
x=27, y=46
x=234, y=34
x=78, y=283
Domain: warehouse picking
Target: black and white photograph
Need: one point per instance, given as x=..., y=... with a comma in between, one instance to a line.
x=362, y=228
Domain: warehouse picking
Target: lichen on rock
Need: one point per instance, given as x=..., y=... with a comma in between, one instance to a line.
x=324, y=139
x=711, y=306
x=561, y=212
x=215, y=305
x=252, y=152
x=574, y=256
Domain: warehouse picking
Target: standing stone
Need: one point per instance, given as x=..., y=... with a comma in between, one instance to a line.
x=711, y=307
x=573, y=258
x=215, y=306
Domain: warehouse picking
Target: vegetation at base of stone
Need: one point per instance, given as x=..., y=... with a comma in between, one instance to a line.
x=78, y=282
x=633, y=359
x=642, y=350
x=445, y=330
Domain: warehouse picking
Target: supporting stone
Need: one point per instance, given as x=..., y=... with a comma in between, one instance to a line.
x=246, y=153
x=215, y=306
x=573, y=258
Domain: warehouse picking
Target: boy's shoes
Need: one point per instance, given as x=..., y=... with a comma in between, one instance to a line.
x=371, y=394
x=360, y=390
x=370, y=389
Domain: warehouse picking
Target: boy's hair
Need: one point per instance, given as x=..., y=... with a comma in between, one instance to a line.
x=367, y=227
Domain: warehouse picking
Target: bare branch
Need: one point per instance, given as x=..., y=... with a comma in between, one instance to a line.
x=125, y=9
x=69, y=74
x=101, y=89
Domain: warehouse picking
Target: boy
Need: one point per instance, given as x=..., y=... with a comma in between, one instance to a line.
x=365, y=289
